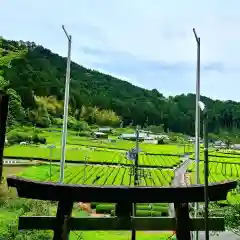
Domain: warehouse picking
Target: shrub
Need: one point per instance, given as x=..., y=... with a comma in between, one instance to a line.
x=156, y=214
x=57, y=121
x=44, y=122
x=161, y=204
x=80, y=126
x=3, y=191
x=153, y=207
x=37, y=139
x=143, y=207
x=143, y=210
x=105, y=208
x=42, y=140
x=84, y=134
x=9, y=227
x=160, y=209
x=17, y=137
x=143, y=213
x=71, y=122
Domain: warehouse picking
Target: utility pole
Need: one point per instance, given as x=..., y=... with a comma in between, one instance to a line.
x=66, y=100
x=135, y=176
x=206, y=170
x=197, y=121
x=51, y=147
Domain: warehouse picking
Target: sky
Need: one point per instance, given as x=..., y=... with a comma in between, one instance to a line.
x=149, y=43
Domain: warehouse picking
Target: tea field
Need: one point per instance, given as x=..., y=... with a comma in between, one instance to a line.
x=219, y=172
x=99, y=175
x=94, y=155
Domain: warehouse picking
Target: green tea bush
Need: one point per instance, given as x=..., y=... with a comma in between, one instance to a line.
x=105, y=208
x=145, y=213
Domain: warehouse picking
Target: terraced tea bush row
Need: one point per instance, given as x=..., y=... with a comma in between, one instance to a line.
x=146, y=213
x=100, y=175
x=226, y=169
x=220, y=172
x=160, y=160
x=92, y=155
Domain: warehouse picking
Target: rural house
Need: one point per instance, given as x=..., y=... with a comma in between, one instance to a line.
x=105, y=129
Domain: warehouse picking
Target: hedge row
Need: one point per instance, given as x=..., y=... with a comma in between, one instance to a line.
x=145, y=213
x=105, y=208
x=153, y=207
x=94, y=204
x=142, y=210
x=139, y=205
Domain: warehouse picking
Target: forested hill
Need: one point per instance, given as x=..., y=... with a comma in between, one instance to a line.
x=36, y=71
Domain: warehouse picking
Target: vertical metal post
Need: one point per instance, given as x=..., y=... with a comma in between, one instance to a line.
x=85, y=165
x=197, y=121
x=135, y=176
x=51, y=164
x=51, y=147
x=66, y=101
x=206, y=173
x=4, y=100
x=136, y=159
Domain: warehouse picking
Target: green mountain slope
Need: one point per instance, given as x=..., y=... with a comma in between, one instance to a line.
x=37, y=71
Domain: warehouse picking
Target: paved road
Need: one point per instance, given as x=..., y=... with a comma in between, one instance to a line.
x=179, y=179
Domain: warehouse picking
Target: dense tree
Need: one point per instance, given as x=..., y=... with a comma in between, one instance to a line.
x=36, y=71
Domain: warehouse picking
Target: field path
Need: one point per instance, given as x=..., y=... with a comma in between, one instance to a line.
x=179, y=180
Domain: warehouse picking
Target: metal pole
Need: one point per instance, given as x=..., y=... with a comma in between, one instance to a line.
x=50, y=156
x=135, y=176
x=85, y=165
x=66, y=100
x=205, y=136
x=136, y=159
x=51, y=164
x=197, y=121
x=205, y=133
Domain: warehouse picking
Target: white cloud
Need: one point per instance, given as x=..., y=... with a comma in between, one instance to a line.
x=151, y=31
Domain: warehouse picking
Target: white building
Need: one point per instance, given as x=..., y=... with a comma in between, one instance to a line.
x=105, y=129
x=235, y=146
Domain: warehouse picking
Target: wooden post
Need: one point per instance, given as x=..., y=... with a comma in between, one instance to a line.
x=64, y=212
x=3, y=123
x=182, y=221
